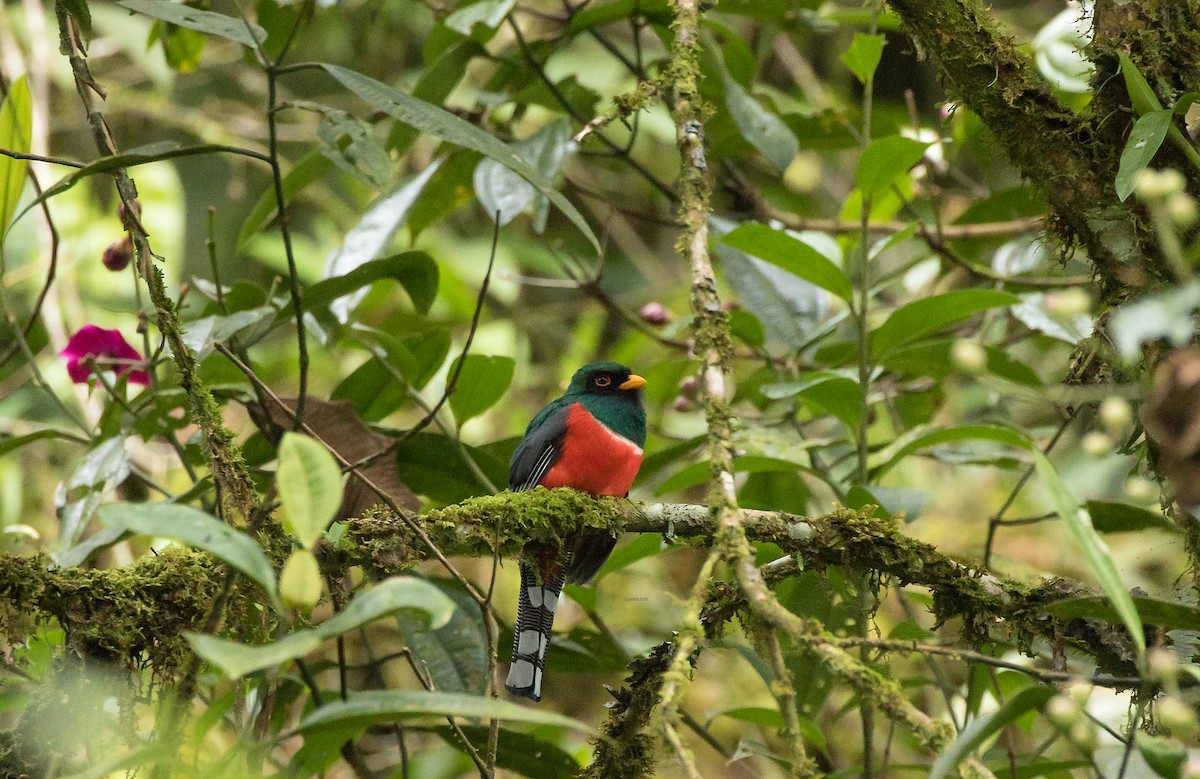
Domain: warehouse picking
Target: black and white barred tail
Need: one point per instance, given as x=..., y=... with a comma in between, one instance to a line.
x=531, y=634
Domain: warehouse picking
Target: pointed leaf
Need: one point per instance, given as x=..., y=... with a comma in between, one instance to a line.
x=436, y=121
x=1144, y=139
x=194, y=528
x=381, y=706
x=415, y=271
x=503, y=191
x=1094, y=550
x=920, y=439
x=482, y=382
x=16, y=134
x=236, y=659
x=792, y=255
x=763, y=129
x=237, y=30
x=910, y=322
x=863, y=55
x=982, y=728
x=885, y=160
x=310, y=486
x=307, y=169
x=371, y=235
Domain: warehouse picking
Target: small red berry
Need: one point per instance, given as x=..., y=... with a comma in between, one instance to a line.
x=655, y=313
x=683, y=404
x=118, y=254
x=137, y=209
x=690, y=387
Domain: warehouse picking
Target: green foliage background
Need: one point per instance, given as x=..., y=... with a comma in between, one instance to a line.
x=952, y=245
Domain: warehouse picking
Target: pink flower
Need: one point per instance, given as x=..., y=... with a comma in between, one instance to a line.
x=108, y=350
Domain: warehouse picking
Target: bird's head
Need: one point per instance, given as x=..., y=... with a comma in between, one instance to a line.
x=606, y=378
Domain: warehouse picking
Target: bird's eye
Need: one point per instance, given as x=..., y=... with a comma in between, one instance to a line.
x=602, y=380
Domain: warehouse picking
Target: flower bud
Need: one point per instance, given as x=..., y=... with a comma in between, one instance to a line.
x=1181, y=207
x=1068, y=302
x=1158, y=184
x=1176, y=716
x=1079, y=692
x=690, y=387
x=300, y=581
x=1140, y=489
x=1115, y=415
x=137, y=209
x=118, y=254
x=656, y=313
x=1164, y=665
x=1097, y=444
x=1062, y=711
x=968, y=356
x=683, y=404
x=1083, y=734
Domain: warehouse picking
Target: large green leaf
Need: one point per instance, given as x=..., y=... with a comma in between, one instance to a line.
x=481, y=383
x=885, y=160
x=16, y=134
x=522, y=753
x=1144, y=139
x=982, y=728
x=194, y=528
x=763, y=129
x=364, y=709
x=310, y=486
x=236, y=659
x=1151, y=611
x=1094, y=550
x=910, y=322
x=455, y=653
x=505, y=193
x=919, y=439
x=415, y=271
x=366, y=240
x=792, y=255
x=438, y=122
x=237, y=30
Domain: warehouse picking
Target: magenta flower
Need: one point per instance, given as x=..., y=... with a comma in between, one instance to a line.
x=108, y=350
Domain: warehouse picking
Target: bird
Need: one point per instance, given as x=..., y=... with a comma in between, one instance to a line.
x=590, y=439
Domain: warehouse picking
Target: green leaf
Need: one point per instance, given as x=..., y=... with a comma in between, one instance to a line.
x=863, y=55
x=16, y=134
x=919, y=439
x=486, y=16
x=438, y=122
x=763, y=129
x=364, y=709
x=307, y=169
x=1166, y=614
x=1141, y=96
x=11, y=443
x=454, y=653
x=1166, y=314
x=415, y=271
x=885, y=160
x=1122, y=517
x=757, y=715
x=433, y=465
x=310, y=486
x=482, y=382
x=910, y=322
x=236, y=659
x=83, y=15
x=194, y=528
x=1094, y=550
x=1144, y=139
x=523, y=753
x=983, y=728
x=202, y=335
x=502, y=191
x=1166, y=756
x=364, y=242
x=237, y=30
x=792, y=255
x=645, y=545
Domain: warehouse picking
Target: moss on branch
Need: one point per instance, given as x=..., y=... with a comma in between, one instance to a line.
x=134, y=616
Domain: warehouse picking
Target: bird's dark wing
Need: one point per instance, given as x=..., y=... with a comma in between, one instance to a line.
x=540, y=449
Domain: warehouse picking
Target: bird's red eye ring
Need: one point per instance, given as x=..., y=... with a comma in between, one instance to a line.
x=602, y=381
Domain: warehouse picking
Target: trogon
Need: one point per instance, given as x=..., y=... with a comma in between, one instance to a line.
x=590, y=439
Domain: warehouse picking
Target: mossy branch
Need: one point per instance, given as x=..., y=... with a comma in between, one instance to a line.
x=1060, y=151
x=134, y=615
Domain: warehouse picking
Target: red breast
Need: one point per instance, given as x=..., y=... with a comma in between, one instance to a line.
x=594, y=459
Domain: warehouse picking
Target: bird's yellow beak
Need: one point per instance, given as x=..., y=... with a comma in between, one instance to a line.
x=633, y=382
